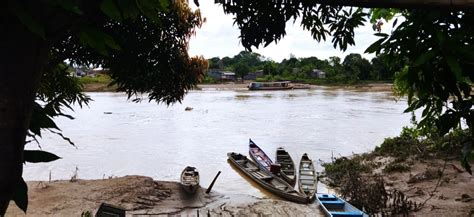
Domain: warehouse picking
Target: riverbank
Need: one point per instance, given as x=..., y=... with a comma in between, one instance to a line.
x=407, y=175
x=141, y=195
x=371, y=87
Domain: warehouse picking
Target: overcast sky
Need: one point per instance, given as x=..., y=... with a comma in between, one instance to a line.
x=218, y=37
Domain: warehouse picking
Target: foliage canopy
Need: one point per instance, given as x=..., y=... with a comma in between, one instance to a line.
x=433, y=46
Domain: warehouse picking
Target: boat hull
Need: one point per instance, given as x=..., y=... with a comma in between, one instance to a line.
x=190, y=179
x=288, y=171
x=266, y=180
x=259, y=156
x=307, y=180
x=279, y=85
x=333, y=206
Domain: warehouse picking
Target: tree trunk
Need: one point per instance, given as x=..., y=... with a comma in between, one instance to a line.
x=22, y=54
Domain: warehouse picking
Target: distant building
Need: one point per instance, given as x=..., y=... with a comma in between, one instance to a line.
x=79, y=73
x=221, y=75
x=96, y=71
x=254, y=75
x=228, y=76
x=316, y=73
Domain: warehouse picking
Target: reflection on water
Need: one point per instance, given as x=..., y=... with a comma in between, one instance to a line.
x=159, y=141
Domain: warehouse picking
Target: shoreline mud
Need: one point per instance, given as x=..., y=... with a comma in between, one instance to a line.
x=143, y=196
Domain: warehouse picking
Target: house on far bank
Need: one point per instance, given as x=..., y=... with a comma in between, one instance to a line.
x=96, y=71
x=254, y=75
x=79, y=72
x=221, y=75
x=316, y=73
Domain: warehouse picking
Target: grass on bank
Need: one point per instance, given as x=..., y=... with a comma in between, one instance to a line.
x=98, y=83
x=98, y=79
x=359, y=178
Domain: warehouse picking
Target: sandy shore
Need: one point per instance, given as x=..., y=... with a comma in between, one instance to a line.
x=453, y=197
x=143, y=196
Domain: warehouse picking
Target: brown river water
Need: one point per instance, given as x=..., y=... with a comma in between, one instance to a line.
x=117, y=137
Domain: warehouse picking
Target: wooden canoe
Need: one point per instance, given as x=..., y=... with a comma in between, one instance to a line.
x=307, y=179
x=287, y=171
x=257, y=154
x=190, y=179
x=265, y=179
x=333, y=206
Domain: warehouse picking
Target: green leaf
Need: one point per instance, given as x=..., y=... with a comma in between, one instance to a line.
x=68, y=5
x=150, y=8
x=381, y=34
x=129, y=9
x=20, y=196
x=423, y=58
x=31, y=23
x=110, y=9
x=38, y=156
x=97, y=40
x=109, y=41
x=375, y=46
x=394, y=23
x=165, y=4
x=40, y=120
x=455, y=67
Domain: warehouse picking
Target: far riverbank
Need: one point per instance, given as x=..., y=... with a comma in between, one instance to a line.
x=370, y=87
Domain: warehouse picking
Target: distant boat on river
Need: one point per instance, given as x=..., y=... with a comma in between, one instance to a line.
x=277, y=85
x=265, y=179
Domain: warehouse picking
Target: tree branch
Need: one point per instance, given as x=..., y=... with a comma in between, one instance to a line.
x=401, y=4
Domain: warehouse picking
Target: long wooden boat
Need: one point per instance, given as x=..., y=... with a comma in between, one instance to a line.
x=278, y=85
x=307, y=179
x=257, y=154
x=287, y=171
x=265, y=179
x=332, y=206
x=190, y=179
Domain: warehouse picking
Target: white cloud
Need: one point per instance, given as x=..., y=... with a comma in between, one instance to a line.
x=219, y=37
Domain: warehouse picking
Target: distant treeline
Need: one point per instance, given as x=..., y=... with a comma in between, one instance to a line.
x=353, y=69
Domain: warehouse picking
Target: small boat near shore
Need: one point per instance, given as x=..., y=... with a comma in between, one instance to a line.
x=190, y=179
x=265, y=179
x=257, y=154
x=277, y=85
x=307, y=180
x=332, y=206
x=287, y=170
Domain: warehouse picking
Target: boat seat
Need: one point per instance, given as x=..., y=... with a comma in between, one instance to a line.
x=337, y=202
x=251, y=169
x=241, y=161
x=266, y=177
x=343, y=214
x=307, y=188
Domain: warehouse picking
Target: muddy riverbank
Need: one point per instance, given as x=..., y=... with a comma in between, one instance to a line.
x=141, y=195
